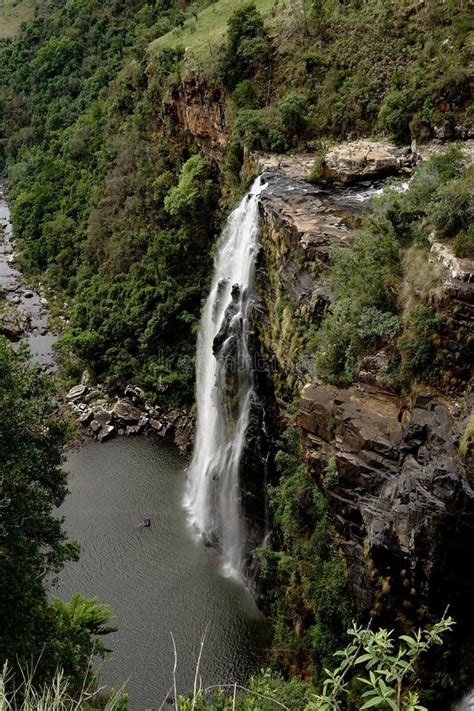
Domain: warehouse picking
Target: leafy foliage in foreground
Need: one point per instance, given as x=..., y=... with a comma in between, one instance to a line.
x=376, y=671
x=385, y=670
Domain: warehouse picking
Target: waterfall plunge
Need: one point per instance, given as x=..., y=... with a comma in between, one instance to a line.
x=224, y=386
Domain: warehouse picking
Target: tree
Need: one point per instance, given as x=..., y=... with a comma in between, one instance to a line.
x=32, y=484
x=247, y=46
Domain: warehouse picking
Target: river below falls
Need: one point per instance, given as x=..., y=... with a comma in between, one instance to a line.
x=158, y=580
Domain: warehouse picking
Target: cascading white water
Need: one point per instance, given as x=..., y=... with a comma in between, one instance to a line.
x=224, y=386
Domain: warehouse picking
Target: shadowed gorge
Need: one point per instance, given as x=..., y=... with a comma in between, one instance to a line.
x=236, y=308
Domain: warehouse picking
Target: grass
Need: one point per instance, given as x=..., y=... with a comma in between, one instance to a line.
x=201, y=35
x=467, y=438
x=12, y=14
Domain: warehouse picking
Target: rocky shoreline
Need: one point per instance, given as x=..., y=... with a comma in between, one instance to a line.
x=104, y=418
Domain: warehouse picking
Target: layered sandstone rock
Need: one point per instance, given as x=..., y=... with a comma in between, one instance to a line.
x=402, y=498
x=362, y=159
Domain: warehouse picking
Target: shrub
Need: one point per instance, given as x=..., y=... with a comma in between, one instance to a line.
x=464, y=243
x=385, y=667
x=194, y=188
x=293, y=108
x=418, y=344
x=394, y=116
x=453, y=210
x=375, y=325
x=247, y=95
x=250, y=129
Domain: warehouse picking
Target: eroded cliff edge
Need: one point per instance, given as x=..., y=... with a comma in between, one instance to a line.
x=390, y=466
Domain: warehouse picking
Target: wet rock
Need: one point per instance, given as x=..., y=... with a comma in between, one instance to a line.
x=356, y=160
x=126, y=413
x=76, y=392
x=106, y=433
x=133, y=430
x=156, y=425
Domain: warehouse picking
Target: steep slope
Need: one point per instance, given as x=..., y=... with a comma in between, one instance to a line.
x=127, y=134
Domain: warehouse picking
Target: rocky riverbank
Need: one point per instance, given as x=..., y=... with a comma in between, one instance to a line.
x=103, y=417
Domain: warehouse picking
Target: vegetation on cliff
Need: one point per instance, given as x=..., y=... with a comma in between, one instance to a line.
x=377, y=307
x=116, y=209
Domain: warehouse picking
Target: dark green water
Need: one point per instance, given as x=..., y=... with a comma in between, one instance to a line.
x=159, y=579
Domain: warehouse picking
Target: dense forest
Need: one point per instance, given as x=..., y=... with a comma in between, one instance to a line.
x=118, y=193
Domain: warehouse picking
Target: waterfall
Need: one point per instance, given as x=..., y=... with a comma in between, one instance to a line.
x=224, y=386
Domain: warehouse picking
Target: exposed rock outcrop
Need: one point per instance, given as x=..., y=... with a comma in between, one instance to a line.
x=362, y=159
x=300, y=223
x=458, y=308
x=402, y=497
x=129, y=415
x=198, y=109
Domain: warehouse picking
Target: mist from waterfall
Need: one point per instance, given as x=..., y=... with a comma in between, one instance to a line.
x=224, y=387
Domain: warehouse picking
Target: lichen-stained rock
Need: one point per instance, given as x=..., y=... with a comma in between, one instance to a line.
x=403, y=500
x=457, y=306
x=126, y=413
x=362, y=159
x=300, y=223
x=14, y=322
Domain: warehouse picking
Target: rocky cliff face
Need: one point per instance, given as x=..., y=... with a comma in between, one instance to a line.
x=299, y=224
x=401, y=493
x=197, y=109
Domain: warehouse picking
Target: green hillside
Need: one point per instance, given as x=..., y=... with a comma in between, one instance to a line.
x=12, y=14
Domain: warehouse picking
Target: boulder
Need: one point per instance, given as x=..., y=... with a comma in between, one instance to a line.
x=86, y=417
x=156, y=425
x=103, y=416
x=106, y=433
x=126, y=413
x=134, y=393
x=14, y=322
x=359, y=160
x=77, y=392
x=95, y=426
x=86, y=376
x=133, y=430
